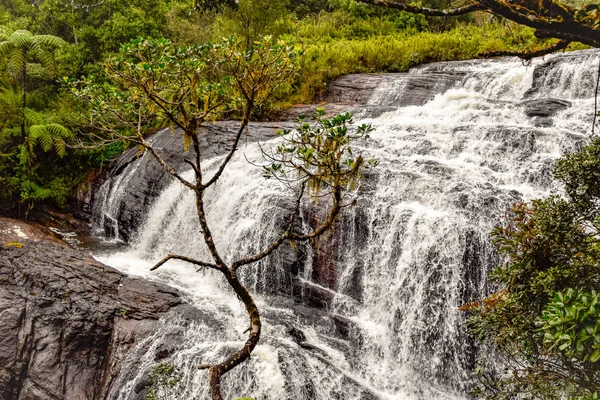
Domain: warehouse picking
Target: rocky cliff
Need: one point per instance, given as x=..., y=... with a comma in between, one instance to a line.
x=67, y=320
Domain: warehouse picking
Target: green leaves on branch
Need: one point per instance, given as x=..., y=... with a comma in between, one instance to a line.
x=320, y=154
x=571, y=324
x=153, y=82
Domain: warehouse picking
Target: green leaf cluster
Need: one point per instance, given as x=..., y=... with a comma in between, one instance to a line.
x=319, y=154
x=571, y=323
x=164, y=382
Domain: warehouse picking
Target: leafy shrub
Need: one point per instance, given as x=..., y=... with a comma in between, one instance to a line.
x=164, y=382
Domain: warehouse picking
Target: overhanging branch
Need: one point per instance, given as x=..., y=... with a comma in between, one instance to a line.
x=432, y=12
x=528, y=55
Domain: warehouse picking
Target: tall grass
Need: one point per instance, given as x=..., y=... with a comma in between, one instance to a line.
x=333, y=48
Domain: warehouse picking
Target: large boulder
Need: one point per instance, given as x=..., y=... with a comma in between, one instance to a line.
x=67, y=320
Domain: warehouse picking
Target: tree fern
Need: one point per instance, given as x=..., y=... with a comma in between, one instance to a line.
x=22, y=47
x=31, y=190
x=25, y=51
x=47, y=135
x=33, y=117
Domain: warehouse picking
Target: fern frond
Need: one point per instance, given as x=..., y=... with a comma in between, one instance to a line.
x=40, y=134
x=20, y=38
x=36, y=70
x=5, y=47
x=32, y=191
x=4, y=33
x=11, y=98
x=40, y=53
x=60, y=147
x=48, y=40
x=16, y=60
x=33, y=117
x=59, y=131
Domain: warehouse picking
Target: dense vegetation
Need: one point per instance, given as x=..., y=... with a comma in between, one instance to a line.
x=544, y=320
x=38, y=116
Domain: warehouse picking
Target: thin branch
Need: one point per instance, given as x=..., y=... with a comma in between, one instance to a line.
x=166, y=166
x=275, y=245
x=326, y=225
x=234, y=147
x=187, y=259
x=189, y=162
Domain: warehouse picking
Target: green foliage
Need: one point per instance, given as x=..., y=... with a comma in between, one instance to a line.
x=544, y=320
x=26, y=131
x=581, y=175
x=571, y=324
x=336, y=37
x=330, y=55
x=253, y=19
x=319, y=154
x=21, y=48
x=164, y=382
x=221, y=79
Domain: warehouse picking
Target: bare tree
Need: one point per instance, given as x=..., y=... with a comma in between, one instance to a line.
x=153, y=82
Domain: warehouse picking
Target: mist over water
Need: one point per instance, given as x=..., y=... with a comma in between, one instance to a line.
x=413, y=249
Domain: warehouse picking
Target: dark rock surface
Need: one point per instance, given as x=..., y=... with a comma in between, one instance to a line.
x=541, y=111
x=67, y=320
x=544, y=107
x=356, y=89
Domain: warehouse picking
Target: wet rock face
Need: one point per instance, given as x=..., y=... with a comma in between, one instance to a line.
x=355, y=89
x=541, y=111
x=67, y=320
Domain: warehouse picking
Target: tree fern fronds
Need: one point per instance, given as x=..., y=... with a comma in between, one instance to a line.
x=32, y=191
x=48, y=40
x=50, y=136
x=5, y=47
x=10, y=98
x=59, y=131
x=20, y=38
x=39, y=134
x=33, y=117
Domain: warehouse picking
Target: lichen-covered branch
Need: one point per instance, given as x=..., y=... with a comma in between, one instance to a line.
x=433, y=12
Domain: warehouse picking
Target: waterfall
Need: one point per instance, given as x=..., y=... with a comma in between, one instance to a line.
x=371, y=310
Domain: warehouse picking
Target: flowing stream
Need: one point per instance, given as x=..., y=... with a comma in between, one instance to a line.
x=414, y=248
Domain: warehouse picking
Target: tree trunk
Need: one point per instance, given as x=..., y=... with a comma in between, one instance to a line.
x=23, y=95
x=217, y=371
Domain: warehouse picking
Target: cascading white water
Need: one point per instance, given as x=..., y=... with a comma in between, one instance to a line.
x=414, y=248
x=106, y=217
